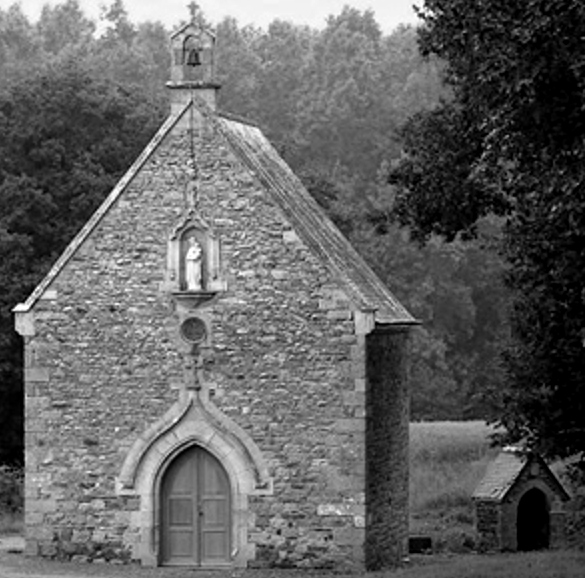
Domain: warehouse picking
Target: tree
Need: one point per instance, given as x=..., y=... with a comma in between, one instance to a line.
x=453, y=289
x=510, y=142
x=18, y=45
x=341, y=111
x=119, y=28
x=65, y=138
x=284, y=50
x=62, y=26
x=438, y=193
x=238, y=68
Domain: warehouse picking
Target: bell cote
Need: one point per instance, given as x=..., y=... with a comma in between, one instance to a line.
x=193, y=65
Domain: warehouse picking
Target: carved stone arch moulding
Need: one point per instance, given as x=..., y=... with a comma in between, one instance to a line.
x=194, y=258
x=194, y=420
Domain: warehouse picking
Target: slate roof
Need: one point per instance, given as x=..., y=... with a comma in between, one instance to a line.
x=312, y=225
x=500, y=476
x=365, y=289
x=503, y=473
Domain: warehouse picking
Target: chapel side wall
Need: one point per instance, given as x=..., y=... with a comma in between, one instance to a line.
x=488, y=524
x=285, y=365
x=387, y=459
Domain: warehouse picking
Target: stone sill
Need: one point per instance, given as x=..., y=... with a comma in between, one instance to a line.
x=194, y=299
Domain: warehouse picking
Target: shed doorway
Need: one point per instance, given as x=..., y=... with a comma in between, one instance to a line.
x=195, y=511
x=533, y=521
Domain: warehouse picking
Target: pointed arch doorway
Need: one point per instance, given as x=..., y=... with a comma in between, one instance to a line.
x=533, y=522
x=195, y=511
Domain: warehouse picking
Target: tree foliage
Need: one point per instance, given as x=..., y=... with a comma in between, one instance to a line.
x=517, y=71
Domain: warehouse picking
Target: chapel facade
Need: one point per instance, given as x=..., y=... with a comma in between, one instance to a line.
x=214, y=378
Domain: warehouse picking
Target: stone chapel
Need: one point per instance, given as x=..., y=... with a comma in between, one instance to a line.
x=214, y=377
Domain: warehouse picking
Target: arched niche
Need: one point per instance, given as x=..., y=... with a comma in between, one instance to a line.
x=193, y=246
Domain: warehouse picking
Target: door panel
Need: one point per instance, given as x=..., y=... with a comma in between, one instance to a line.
x=214, y=513
x=195, y=524
x=180, y=512
x=180, y=546
x=214, y=518
x=215, y=547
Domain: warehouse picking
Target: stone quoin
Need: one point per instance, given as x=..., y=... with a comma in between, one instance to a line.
x=214, y=377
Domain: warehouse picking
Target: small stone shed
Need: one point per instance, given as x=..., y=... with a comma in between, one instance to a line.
x=519, y=504
x=214, y=378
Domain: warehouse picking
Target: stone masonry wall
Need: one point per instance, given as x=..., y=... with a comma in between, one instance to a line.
x=487, y=522
x=286, y=366
x=387, y=449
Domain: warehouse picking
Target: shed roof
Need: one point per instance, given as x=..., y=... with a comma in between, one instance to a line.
x=503, y=473
x=365, y=289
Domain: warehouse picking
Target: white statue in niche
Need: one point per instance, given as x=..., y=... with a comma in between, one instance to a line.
x=193, y=258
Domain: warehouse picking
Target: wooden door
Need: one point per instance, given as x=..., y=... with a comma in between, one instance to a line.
x=195, y=501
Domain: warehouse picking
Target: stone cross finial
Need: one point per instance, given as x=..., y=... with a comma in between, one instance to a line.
x=195, y=9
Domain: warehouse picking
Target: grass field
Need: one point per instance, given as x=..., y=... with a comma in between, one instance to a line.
x=565, y=564
x=447, y=461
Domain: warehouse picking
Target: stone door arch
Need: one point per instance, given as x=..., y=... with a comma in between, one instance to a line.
x=533, y=521
x=195, y=504
x=194, y=422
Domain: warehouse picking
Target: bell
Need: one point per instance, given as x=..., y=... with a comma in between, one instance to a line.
x=193, y=57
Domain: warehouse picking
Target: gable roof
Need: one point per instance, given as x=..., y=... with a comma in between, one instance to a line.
x=503, y=473
x=307, y=218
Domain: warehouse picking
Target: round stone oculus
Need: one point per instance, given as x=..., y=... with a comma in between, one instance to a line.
x=193, y=330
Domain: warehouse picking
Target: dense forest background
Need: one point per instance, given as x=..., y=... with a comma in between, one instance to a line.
x=79, y=100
